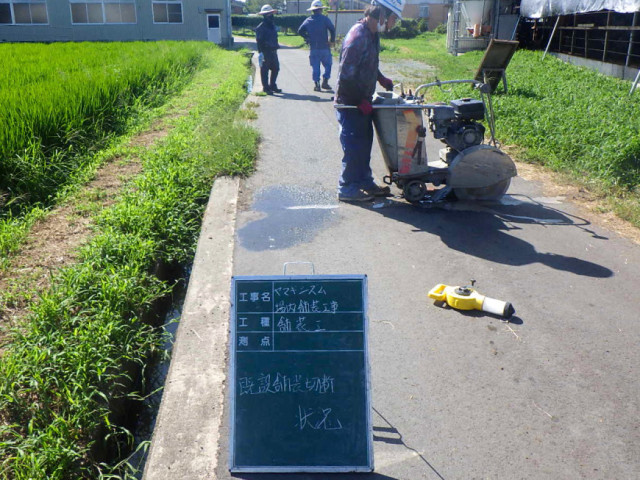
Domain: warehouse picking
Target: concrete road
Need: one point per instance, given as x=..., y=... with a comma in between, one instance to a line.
x=553, y=393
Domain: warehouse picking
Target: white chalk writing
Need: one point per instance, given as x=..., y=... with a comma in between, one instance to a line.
x=304, y=306
x=254, y=297
x=280, y=383
x=312, y=289
x=317, y=419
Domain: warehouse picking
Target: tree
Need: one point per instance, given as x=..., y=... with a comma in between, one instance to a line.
x=254, y=6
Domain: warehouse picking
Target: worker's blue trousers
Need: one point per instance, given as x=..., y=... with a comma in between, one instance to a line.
x=316, y=57
x=356, y=137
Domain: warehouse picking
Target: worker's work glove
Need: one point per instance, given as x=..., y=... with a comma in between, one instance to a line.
x=365, y=107
x=386, y=83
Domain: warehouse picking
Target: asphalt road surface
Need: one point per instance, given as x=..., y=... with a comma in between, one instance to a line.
x=553, y=393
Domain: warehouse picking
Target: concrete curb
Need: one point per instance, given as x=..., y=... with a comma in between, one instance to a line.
x=186, y=436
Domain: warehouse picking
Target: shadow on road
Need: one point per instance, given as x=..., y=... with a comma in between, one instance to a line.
x=309, y=98
x=391, y=435
x=312, y=476
x=481, y=230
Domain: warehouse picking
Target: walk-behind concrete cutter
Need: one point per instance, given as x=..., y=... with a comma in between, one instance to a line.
x=467, y=167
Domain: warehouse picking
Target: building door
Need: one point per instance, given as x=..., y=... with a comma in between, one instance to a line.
x=213, y=28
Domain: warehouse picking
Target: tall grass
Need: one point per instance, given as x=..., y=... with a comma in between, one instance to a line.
x=58, y=100
x=67, y=378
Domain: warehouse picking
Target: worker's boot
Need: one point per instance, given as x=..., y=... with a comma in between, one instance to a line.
x=325, y=84
x=317, y=87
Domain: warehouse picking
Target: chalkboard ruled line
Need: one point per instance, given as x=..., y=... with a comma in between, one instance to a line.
x=295, y=351
x=313, y=313
x=300, y=331
x=302, y=469
x=297, y=312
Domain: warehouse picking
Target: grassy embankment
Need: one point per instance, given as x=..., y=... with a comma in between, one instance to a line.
x=567, y=118
x=61, y=103
x=67, y=374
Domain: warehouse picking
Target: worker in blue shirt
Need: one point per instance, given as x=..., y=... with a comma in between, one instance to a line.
x=315, y=30
x=267, y=41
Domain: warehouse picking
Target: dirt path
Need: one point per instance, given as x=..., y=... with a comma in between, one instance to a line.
x=53, y=241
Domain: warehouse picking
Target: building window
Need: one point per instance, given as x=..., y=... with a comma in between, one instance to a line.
x=424, y=11
x=167, y=12
x=23, y=12
x=103, y=11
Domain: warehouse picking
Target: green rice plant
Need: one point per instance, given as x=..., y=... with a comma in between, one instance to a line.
x=57, y=101
x=70, y=373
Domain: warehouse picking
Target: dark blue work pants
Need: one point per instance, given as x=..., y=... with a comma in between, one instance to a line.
x=356, y=137
x=270, y=64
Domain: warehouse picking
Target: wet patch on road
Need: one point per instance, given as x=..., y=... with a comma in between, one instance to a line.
x=293, y=215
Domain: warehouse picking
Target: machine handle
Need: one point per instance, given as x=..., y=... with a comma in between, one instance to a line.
x=437, y=292
x=403, y=106
x=439, y=83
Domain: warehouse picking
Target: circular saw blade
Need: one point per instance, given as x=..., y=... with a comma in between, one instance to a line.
x=490, y=192
x=480, y=167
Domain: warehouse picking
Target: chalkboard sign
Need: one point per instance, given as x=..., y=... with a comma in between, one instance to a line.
x=299, y=379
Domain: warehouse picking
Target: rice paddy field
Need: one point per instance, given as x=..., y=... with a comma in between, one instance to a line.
x=74, y=369
x=61, y=102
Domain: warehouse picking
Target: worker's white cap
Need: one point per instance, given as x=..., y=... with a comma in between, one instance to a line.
x=266, y=9
x=396, y=6
x=316, y=5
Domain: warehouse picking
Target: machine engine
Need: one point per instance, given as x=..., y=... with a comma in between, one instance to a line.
x=456, y=124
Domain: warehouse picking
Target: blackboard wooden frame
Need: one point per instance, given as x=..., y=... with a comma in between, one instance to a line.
x=342, y=353
x=494, y=63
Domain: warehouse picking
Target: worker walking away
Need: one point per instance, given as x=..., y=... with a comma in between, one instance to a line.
x=357, y=77
x=316, y=31
x=267, y=40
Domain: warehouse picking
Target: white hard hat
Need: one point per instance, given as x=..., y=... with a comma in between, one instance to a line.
x=316, y=5
x=266, y=9
x=396, y=6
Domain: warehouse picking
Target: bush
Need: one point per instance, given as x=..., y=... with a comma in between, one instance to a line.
x=286, y=22
x=442, y=28
x=408, y=28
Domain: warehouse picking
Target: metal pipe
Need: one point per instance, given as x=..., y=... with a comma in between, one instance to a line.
x=631, y=38
x=401, y=106
x=551, y=38
x=439, y=83
x=515, y=29
x=635, y=82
